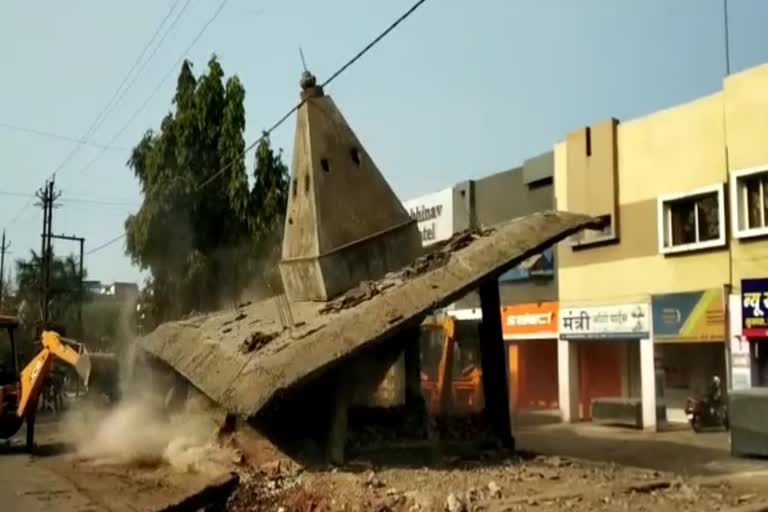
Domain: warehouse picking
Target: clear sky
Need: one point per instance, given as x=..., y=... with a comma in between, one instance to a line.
x=461, y=89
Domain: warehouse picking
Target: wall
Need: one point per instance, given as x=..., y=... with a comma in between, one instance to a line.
x=504, y=196
x=746, y=123
x=671, y=151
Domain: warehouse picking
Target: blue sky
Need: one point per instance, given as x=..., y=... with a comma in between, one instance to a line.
x=461, y=89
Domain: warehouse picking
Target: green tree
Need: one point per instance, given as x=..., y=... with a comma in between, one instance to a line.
x=63, y=294
x=201, y=243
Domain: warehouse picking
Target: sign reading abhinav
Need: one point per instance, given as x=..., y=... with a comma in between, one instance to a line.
x=621, y=322
x=689, y=317
x=434, y=214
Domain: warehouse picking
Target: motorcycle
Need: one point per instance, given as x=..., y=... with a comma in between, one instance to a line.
x=701, y=414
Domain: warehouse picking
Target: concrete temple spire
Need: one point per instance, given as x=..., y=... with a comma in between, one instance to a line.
x=343, y=223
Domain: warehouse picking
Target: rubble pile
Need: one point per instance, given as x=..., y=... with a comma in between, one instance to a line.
x=514, y=484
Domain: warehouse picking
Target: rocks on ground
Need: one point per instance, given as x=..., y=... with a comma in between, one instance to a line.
x=540, y=483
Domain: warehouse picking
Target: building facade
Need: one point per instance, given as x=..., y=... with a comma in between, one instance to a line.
x=528, y=293
x=682, y=193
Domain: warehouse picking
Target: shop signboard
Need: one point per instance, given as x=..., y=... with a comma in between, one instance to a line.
x=689, y=317
x=620, y=322
x=434, y=214
x=541, y=265
x=530, y=321
x=754, y=308
x=741, y=365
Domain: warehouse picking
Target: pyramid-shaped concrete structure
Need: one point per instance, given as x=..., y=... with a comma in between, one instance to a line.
x=344, y=224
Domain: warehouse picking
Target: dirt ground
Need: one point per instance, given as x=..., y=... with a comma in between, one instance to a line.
x=581, y=467
x=486, y=483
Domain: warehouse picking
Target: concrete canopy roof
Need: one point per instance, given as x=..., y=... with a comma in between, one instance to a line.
x=242, y=359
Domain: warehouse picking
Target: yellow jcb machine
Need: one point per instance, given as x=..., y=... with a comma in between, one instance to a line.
x=20, y=390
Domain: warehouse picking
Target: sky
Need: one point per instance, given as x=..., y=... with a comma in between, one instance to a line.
x=459, y=90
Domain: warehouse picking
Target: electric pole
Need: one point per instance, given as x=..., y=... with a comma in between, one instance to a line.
x=3, y=249
x=81, y=290
x=47, y=197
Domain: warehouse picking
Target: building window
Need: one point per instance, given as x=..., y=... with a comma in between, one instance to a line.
x=692, y=221
x=749, y=202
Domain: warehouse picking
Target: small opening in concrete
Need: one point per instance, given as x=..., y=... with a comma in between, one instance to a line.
x=290, y=221
x=306, y=183
x=295, y=184
x=355, y=154
x=325, y=164
x=463, y=193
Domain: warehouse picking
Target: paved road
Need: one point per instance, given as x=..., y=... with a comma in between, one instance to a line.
x=678, y=450
x=25, y=484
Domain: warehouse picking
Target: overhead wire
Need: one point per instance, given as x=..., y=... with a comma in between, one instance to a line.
x=59, y=136
x=288, y=114
x=159, y=86
x=101, y=116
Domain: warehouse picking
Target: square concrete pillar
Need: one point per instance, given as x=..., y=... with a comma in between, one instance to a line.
x=493, y=361
x=568, y=380
x=648, y=384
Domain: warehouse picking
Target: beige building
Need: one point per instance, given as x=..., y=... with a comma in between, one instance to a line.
x=685, y=191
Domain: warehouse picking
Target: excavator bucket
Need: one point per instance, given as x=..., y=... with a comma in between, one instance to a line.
x=83, y=366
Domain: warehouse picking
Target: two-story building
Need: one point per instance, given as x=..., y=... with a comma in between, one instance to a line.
x=645, y=303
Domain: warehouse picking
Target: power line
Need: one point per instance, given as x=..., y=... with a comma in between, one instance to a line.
x=102, y=114
x=100, y=117
x=159, y=85
x=71, y=199
x=59, y=136
x=289, y=113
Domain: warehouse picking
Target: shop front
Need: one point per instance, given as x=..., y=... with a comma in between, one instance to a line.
x=530, y=332
x=689, y=341
x=605, y=352
x=754, y=327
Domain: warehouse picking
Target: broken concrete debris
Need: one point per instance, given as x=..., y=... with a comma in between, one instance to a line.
x=244, y=383
x=256, y=340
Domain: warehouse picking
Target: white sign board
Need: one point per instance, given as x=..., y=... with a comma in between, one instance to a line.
x=625, y=321
x=741, y=365
x=434, y=213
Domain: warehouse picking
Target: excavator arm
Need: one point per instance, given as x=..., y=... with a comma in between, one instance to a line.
x=33, y=376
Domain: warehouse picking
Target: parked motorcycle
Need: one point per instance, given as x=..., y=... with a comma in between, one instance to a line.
x=702, y=414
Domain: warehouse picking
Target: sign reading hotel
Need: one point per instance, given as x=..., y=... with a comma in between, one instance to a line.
x=689, y=317
x=754, y=308
x=434, y=214
x=621, y=322
x=530, y=321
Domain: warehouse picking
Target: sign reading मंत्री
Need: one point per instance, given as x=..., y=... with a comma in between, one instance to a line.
x=434, y=214
x=621, y=322
x=754, y=308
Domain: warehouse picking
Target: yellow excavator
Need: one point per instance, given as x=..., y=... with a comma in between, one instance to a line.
x=447, y=393
x=20, y=390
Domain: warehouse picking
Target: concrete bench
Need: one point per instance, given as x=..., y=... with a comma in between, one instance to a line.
x=623, y=411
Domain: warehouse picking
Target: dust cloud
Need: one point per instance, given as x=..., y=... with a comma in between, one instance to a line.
x=140, y=431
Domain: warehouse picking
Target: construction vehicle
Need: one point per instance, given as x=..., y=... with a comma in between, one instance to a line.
x=456, y=386
x=20, y=390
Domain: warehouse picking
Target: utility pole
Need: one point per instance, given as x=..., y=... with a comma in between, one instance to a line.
x=3, y=250
x=47, y=197
x=81, y=290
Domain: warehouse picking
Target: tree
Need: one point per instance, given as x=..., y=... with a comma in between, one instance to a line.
x=200, y=231
x=63, y=293
x=269, y=197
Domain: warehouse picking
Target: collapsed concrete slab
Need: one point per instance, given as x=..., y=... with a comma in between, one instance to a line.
x=243, y=359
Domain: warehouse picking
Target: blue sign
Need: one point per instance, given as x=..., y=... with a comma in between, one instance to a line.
x=544, y=266
x=754, y=308
x=689, y=316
